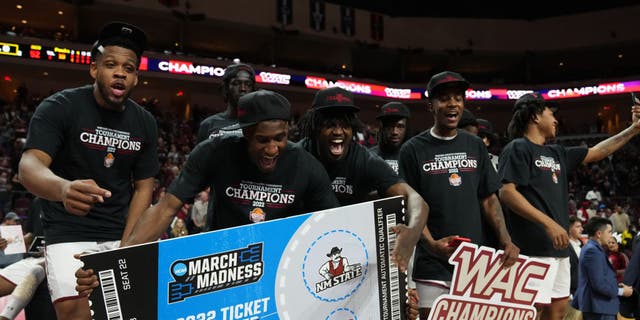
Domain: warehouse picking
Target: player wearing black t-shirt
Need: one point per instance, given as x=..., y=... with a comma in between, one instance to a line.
x=395, y=130
x=238, y=80
x=91, y=155
x=355, y=172
x=251, y=177
x=451, y=170
x=534, y=188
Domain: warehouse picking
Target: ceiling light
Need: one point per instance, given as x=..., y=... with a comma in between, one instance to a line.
x=60, y=12
x=23, y=21
x=45, y=73
x=561, y=64
x=19, y=6
x=62, y=26
x=620, y=55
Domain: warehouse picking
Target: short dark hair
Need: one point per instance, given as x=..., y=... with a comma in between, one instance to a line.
x=596, y=224
x=380, y=135
x=230, y=72
x=573, y=219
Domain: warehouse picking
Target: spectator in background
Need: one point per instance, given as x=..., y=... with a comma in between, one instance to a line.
x=575, y=242
x=238, y=80
x=394, y=131
x=179, y=228
x=19, y=276
x=617, y=259
x=598, y=291
x=468, y=122
x=485, y=132
x=594, y=194
x=619, y=219
x=199, y=212
x=582, y=213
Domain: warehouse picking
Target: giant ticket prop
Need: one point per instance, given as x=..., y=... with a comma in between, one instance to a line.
x=329, y=265
x=482, y=289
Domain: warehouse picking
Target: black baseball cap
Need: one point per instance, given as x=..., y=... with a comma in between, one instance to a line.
x=121, y=34
x=259, y=106
x=334, y=99
x=393, y=109
x=484, y=127
x=467, y=119
x=232, y=70
x=532, y=99
x=446, y=79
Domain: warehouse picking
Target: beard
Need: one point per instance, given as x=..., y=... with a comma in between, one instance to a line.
x=112, y=102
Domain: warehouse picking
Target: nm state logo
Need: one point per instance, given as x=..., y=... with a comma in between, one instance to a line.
x=335, y=265
x=216, y=272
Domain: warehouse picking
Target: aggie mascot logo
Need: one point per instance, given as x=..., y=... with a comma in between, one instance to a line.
x=331, y=272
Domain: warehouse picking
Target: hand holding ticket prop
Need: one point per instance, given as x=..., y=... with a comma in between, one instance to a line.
x=456, y=241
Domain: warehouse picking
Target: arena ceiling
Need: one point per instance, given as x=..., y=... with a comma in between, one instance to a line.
x=483, y=9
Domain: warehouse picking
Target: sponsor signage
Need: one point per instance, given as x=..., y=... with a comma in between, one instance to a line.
x=190, y=68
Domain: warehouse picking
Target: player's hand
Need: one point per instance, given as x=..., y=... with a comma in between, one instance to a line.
x=635, y=115
x=3, y=243
x=405, y=242
x=510, y=256
x=558, y=235
x=441, y=246
x=79, y=196
x=627, y=291
x=413, y=310
x=86, y=280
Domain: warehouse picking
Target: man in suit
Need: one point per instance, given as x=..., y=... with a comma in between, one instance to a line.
x=575, y=244
x=630, y=307
x=598, y=290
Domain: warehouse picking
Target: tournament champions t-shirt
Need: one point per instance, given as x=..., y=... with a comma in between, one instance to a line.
x=391, y=158
x=452, y=176
x=211, y=127
x=86, y=141
x=540, y=175
x=242, y=194
x=357, y=174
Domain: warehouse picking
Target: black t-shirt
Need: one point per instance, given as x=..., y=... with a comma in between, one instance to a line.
x=86, y=141
x=540, y=175
x=391, y=158
x=210, y=127
x=357, y=174
x=452, y=176
x=242, y=194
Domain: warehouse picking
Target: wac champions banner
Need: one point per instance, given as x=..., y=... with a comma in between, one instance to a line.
x=329, y=265
x=481, y=289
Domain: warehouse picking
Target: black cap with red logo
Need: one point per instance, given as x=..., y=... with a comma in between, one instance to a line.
x=393, y=109
x=259, y=106
x=446, y=79
x=334, y=99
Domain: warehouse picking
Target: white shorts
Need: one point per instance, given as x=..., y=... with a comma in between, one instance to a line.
x=17, y=271
x=62, y=266
x=559, y=276
x=430, y=290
